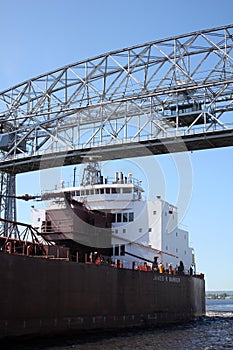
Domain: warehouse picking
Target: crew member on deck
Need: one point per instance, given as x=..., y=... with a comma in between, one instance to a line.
x=181, y=268
x=155, y=264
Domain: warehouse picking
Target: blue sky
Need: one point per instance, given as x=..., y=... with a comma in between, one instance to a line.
x=41, y=35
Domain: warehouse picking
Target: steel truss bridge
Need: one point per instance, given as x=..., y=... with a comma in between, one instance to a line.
x=169, y=95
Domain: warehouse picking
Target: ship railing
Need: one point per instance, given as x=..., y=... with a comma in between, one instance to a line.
x=199, y=275
x=122, y=264
x=107, y=181
x=51, y=257
x=144, y=266
x=63, y=259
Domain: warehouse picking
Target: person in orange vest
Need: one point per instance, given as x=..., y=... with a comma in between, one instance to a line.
x=161, y=268
x=97, y=260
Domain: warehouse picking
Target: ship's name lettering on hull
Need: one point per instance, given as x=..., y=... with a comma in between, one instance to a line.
x=163, y=278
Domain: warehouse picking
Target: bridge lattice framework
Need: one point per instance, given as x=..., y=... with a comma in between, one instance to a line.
x=158, y=96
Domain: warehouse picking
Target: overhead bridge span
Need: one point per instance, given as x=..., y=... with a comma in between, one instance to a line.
x=169, y=95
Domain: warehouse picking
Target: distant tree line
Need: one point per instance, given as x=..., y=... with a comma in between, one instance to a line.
x=219, y=296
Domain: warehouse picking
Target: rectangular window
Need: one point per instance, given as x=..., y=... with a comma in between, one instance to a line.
x=125, y=217
x=92, y=191
x=102, y=190
x=122, y=250
x=118, y=217
x=107, y=190
x=116, y=190
x=127, y=189
x=131, y=216
x=113, y=217
x=154, y=212
x=77, y=193
x=82, y=193
x=97, y=191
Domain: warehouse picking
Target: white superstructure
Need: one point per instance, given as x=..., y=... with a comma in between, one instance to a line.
x=141, y=229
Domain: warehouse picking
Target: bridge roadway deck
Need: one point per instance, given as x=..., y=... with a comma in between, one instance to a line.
x=122, y=150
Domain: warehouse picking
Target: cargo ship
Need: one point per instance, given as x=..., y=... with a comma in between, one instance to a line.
x=102, y=257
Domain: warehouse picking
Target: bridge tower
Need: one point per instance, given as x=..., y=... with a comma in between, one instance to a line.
x=7, y=201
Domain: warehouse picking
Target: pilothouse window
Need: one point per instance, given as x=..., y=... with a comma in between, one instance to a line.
x=131, y=216
x=118, y=217
x=127, y=190
x=116, y=190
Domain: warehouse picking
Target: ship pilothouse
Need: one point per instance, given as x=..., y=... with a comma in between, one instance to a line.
x=140, y=229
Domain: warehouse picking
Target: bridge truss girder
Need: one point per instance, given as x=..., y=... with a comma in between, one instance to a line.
x=123, y=97
x=164, y=96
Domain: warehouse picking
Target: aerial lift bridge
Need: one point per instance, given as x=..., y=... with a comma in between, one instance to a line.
x=169, y=95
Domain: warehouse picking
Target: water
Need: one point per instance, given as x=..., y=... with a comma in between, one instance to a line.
x=213, y=332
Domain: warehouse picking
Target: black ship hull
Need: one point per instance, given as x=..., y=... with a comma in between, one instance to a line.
x=40, y=296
